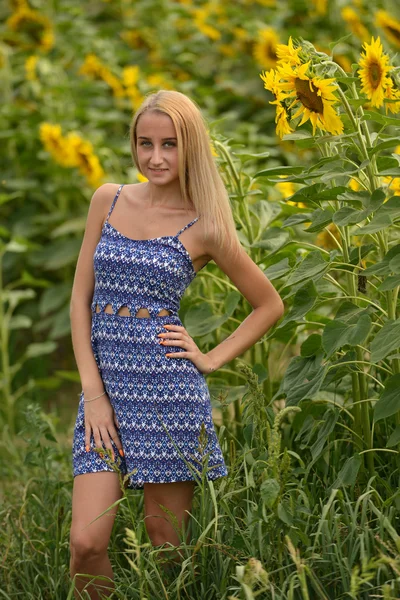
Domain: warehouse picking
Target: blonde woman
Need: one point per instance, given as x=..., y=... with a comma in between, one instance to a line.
x=144, y=393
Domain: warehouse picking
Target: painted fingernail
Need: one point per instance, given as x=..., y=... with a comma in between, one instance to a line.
x=167, y=326
x=101, y=455
x=161, y=341
x=121, y=452
x=87, y=448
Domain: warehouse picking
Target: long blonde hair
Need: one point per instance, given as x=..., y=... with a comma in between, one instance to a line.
x=201, y=185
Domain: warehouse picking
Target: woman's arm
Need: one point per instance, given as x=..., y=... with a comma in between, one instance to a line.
x=267, y=305
x=82, y=293
x=260, y=293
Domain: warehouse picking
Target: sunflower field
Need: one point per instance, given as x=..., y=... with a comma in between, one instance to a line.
x=302, y=100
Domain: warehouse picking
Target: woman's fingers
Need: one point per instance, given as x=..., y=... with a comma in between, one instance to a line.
x=88, y=431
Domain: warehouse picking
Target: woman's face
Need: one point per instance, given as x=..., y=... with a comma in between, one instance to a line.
x=157, y=148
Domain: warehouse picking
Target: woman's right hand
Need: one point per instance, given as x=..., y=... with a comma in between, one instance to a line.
x=100, y=418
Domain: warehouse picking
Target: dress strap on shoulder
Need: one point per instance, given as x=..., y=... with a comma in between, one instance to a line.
x=114, y=201
x=187, y=226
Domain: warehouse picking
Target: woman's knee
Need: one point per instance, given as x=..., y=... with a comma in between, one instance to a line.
x=84, y=546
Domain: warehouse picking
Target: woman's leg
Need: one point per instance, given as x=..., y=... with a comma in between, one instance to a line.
x=92, y=494
x=177, y=497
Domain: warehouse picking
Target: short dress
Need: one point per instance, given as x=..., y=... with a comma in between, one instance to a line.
x=162, y=404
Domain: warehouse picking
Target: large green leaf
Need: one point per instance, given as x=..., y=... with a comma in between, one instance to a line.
x=394, y=438
x=329, y=421
x=337, y=334
x=348, y=473
x=39, y=349
x=378, y=222
x=383, y=267
x=389, y=401
x=278, y=269
x=269, y=491
x=386, y=340
x=303, y=379
x=312, y=267
x=320, y=218
x=273, y=239
x=199, y=320
x=303, y=301
x=265, y=212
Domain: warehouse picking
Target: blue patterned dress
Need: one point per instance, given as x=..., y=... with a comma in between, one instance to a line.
x=162, y=404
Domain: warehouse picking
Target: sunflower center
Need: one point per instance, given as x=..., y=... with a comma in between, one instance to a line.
x=395, y=32
x=375, y=73
x=307, y=94
x=270, y=52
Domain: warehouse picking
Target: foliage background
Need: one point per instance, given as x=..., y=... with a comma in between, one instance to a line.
x=314, y=492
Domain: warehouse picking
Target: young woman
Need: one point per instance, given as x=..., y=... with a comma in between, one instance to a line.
x=144, y=394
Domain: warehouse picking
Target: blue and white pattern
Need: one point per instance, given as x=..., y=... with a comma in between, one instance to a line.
x=162, y=404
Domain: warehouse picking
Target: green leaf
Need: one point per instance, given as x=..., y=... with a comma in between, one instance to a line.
x=320, y=218
x=329, y=421
x=298, y=135
x=245, y=156
x=379, y=221
x=265, y=212
x=394, y=264
x=40, y=349
x=69, y=375
x=303, y=379
x=278, y=269
x=389, y=283
x=394, y=438
x=311, y=345
x=348, y=473
x=269, y=491
x=337, y=334
x=304, y=300
x=231, y=302
x=273, y=239
x=312, y=267
x=296, y=219
x=53, y=298
x=389, y=143
x=379, y=118
x=277, y=171
x=199, y=320
x=389, y=401
x=383, y=267
x=20, y=322
x=386, y=340
x=284, y=514
x=348, y=216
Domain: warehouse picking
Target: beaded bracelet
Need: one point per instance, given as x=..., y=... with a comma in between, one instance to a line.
x=95, y=398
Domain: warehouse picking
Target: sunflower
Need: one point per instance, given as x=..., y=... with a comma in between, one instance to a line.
x=314, y=97
x=288, y=53
x=34, y=26
x=394, y=95
x=265, y=49
x=271, y=83
x=390, y=26
x=355, y=25
x=374, y=72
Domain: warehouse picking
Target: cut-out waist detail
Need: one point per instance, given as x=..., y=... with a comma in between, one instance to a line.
x=124, y=311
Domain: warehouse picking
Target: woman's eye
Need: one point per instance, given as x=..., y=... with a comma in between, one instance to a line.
x=165, y=143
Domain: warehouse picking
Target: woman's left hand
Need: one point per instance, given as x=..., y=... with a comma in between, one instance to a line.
x=176, y=335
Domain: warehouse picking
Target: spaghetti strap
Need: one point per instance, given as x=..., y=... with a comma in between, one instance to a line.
x=187, y=226
x=114, y=201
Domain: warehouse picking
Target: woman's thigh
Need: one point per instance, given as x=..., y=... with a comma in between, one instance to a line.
x=93, y=493
x=177, y=497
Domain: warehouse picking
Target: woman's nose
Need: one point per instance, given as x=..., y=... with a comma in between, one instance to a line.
x=156, y=156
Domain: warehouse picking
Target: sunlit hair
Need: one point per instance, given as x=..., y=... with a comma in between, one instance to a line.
x=202, y=188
